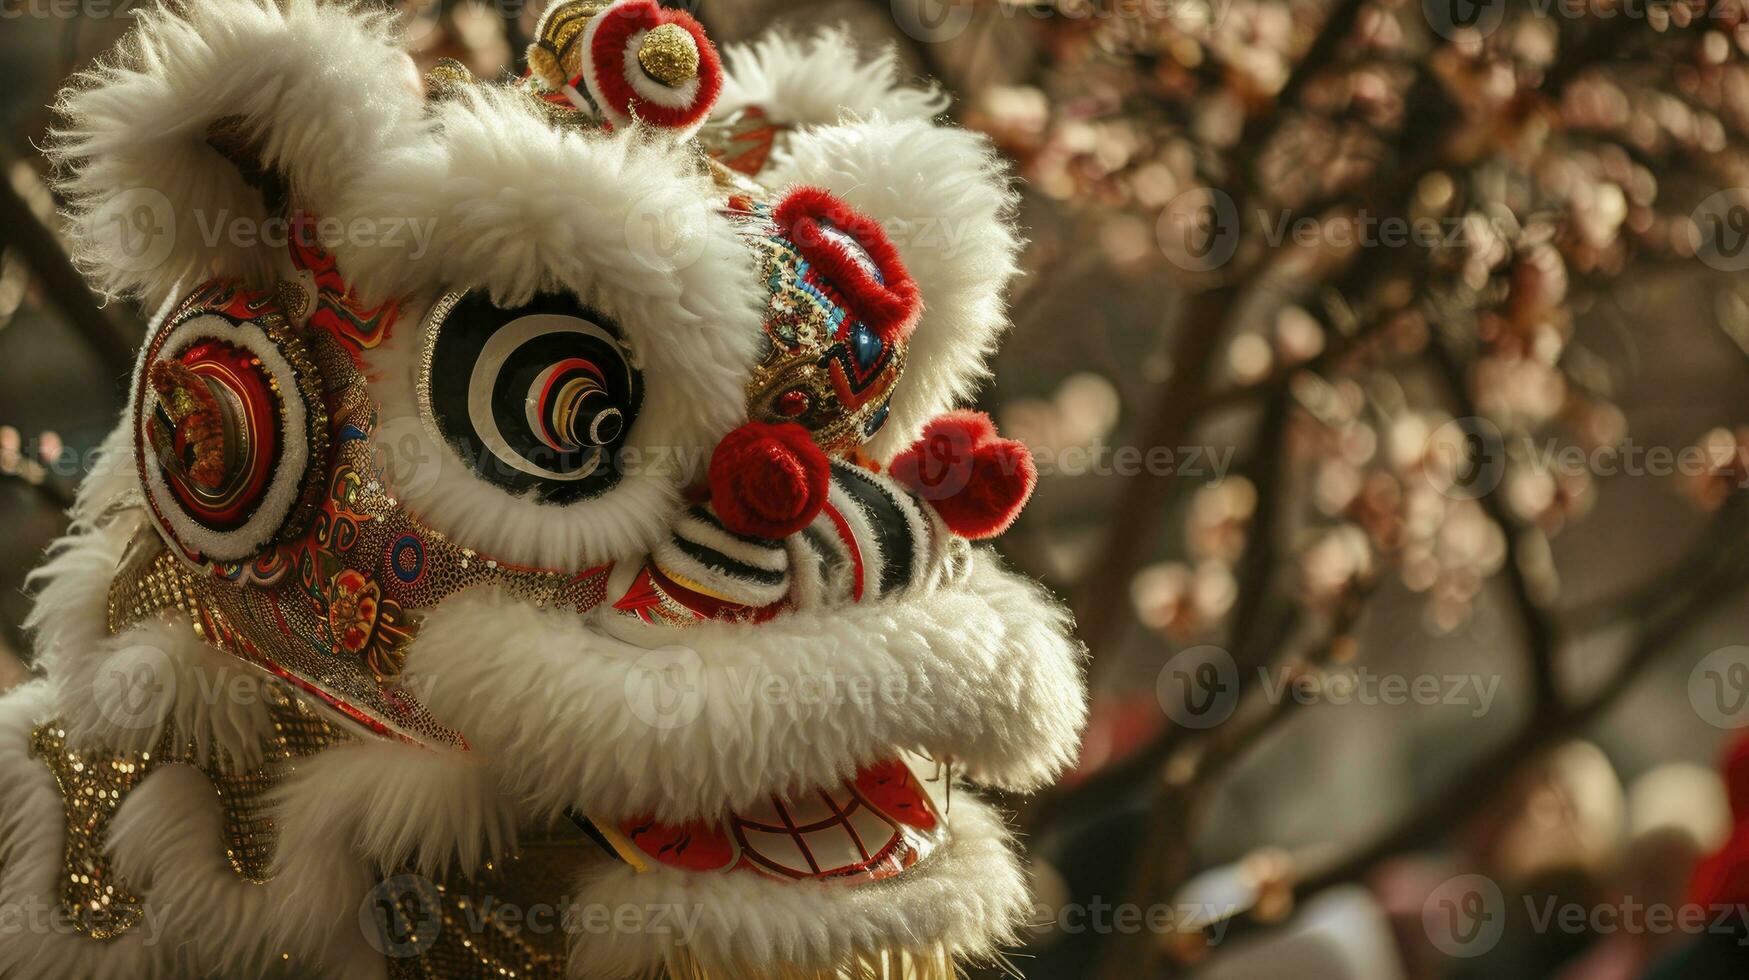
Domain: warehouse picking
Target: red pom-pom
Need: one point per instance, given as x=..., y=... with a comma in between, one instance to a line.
x=1736, y=770
x=977, y=481
x=611, y=67
x=768, y=481
x=1722, y=879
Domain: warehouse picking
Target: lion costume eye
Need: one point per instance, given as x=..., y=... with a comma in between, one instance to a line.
x=538, y=399
x=230, y=432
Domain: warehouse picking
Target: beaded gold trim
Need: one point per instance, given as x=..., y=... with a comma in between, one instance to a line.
x=448, y=79
x=94, y=784
x=471, y=942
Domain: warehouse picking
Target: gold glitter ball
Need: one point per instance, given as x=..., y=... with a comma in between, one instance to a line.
x=669, y=55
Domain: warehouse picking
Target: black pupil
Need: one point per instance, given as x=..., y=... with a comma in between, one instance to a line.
x=559, y=393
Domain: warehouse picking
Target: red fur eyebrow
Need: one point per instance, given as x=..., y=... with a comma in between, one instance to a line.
x=890, y=304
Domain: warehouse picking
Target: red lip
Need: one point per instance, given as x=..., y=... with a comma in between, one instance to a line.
x=868, y=829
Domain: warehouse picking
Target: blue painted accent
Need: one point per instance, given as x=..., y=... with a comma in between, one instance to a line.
x=411, y=550
x=866, y=345
x=878, y=419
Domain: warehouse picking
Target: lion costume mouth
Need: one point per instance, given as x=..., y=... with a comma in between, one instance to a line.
x=873, y=827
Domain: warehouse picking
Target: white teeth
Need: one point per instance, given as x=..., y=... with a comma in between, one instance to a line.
x=819, y=834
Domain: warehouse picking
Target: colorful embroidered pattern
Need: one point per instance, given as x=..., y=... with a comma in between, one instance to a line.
x=336, y=310
x=823, y=367
x=744, y=142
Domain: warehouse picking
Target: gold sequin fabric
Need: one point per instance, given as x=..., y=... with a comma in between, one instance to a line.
x=334, y=609
x=448, y=80
x=509, y=920
x=94, y=784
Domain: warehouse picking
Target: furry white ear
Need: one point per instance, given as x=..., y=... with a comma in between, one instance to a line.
x=820, y=80
x=176, y=151
x=944, y=197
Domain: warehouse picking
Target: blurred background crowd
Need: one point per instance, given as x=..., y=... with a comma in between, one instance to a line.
x=1387, y=363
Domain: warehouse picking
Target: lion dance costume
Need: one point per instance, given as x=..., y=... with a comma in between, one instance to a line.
x=538, y=542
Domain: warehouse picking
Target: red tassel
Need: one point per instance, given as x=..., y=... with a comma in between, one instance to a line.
x=768, y=481
x=977, y=481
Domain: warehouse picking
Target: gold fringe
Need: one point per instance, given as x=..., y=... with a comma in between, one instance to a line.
x=894, y=965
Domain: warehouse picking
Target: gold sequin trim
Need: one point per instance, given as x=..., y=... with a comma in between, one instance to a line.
x=448, y=79
x=94, y=784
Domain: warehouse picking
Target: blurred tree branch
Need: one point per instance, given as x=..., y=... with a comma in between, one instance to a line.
x=1542, y=639
x=1441, y=150
x=1725, y=578
x=1102, y=604
x=60, y=281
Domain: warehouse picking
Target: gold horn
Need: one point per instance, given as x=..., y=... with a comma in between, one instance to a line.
x=556, y=56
